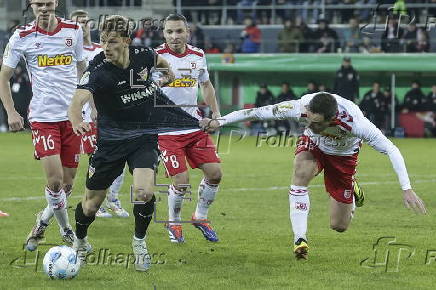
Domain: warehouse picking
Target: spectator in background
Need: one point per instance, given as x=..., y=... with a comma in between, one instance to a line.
x=251, y=37
x=410, y=37
x=390, y=39
x=311, y=88
x=264, y=96
x=210, y=16
x=430, y=100
x=323, y=88
x=289, y=38
x=286, y=93
x=326, y=44
x=373, y=105
x=347, y=14
x=365, y=14
x=351, y=36
x=197, y=36
x=367, y=46
x=210, y=47
x=245, y=7
x=148, y=34
x=307, y=44
x=414, y=98
x=422, y=43
x=325, y=34
x=228, y=56
x=347, y=81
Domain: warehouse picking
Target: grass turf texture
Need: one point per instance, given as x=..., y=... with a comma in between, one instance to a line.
x=251, y=218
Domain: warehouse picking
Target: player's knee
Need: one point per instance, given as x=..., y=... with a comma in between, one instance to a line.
x=215, y=176
x=55, y=184
x=142, y=194
x=338, y=227
x=90, y=208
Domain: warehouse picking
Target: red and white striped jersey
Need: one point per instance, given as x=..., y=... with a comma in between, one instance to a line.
x=89, y=52
x=51, y=59
x=189, y=68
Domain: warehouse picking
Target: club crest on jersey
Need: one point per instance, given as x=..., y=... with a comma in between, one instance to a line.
x=143, y=74
x=347, y=193
x=193, y=65
x=38, y=45
x=69, y=41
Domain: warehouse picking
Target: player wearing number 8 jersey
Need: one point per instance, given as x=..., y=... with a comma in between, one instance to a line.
x=53, y=50
x=195, y=146
x=335, y=128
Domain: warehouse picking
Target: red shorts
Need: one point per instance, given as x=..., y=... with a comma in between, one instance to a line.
x=89, y=140
x=338, y=170
x=56, y=138
x=196, y=147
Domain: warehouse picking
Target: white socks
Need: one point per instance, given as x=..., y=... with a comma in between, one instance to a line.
x=175, y=200
x=114, y=189
x=57, y=202
x=206, y=195
x=299, y=205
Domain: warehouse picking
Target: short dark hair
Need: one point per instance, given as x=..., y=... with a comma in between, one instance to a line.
x=176, y=17
x=324, y=104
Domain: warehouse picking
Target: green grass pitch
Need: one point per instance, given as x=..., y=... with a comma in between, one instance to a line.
x=251, y=217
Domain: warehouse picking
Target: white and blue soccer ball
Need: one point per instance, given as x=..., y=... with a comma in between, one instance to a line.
x=61, y=262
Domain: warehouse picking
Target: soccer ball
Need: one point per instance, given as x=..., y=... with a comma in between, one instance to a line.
x=61, y=262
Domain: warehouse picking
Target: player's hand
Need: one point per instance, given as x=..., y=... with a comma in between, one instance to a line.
x=94, y=115
x=81, y=128
x=216, y=115
x=411, y=200
x=15, y=121
x=209, y=125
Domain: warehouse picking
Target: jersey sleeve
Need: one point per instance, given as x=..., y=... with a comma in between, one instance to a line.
x=91, y=81
x=78, y=50
x=13, y=51
x=284, y=110
x=204, y=74
x=367, y=131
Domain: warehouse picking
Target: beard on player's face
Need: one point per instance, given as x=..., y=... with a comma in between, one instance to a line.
x=176, y=35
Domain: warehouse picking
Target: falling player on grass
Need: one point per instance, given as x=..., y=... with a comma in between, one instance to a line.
x=53, y=50
x=335, y=129
x=193, y=146
x=90, y=50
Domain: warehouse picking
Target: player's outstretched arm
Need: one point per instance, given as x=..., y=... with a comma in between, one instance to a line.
x=208, y=92
x=367, y=131
x=280, y=111
x=80, y=98
x=15, y=121
x=165, y=69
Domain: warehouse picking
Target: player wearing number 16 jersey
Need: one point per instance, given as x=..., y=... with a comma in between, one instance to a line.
x=195, y=146
x=53, y=50
x=335, y=128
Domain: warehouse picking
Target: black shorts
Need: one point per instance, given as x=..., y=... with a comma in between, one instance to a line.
x=110, y=157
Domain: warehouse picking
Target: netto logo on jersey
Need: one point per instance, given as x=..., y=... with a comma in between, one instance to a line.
x=60, y=59
x=183, y=83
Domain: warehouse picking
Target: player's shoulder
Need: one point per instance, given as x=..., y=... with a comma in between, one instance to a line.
x=97, y=63
x=68, y=24
x=22, y=31
x=141, y=50
x=94, y=47
x=194, y=50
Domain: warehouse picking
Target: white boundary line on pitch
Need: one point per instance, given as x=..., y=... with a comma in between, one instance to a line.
x=75, y=196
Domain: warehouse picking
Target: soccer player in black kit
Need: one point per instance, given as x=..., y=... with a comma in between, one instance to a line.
x=125, y=96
